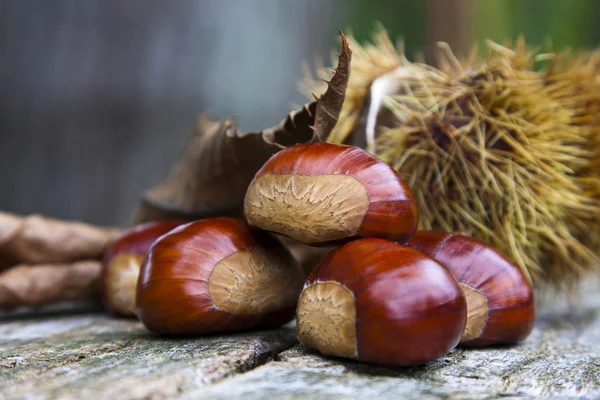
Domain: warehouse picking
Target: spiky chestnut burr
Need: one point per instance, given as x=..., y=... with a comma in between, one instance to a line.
x=498, y=147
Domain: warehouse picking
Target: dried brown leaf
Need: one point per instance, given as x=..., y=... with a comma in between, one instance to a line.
x=219, y=162
x=37, y=239
x=329, y=105
x=40, y=285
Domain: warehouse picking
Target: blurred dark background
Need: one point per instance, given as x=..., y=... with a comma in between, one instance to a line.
x=98, y=97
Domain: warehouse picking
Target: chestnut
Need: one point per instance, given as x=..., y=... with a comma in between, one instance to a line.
x=381, y=302
x=321, y=193
x=500, y=304
x=217, y=275
x=122, y=261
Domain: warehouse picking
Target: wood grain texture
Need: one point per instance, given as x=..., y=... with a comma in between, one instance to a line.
x=559, y=360
x=122, y=261
x=391, y=214
x=94, y=356
x=82, y=354
x=409, y=309
x=510, y=299
x=173, y=289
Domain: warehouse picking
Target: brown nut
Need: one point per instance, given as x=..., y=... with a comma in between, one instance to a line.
x=217, y=275
x=500, y=305
x=320, y=193
x=378, y=301
x=122, y=262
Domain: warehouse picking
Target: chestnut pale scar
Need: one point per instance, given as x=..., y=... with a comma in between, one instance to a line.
x=307, y=208
x=326, y=319
x=477, y=313
x=121, y=281
x=254, y=283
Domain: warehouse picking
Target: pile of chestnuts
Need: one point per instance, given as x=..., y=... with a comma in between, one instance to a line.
x=387, y=294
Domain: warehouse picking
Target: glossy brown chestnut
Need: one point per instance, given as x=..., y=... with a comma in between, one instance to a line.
x=217, y=275
x=122, y=262
x=500, y=305
x=381, y=302
x=321, y=193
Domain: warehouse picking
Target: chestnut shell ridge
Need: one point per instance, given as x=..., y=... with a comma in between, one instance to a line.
x=381, y=302
x=122, y=261
x=500, y=300
x=217, y=275
x=323, y=194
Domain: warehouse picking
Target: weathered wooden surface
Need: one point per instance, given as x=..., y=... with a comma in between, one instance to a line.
x=559, y=362
x=95, y=356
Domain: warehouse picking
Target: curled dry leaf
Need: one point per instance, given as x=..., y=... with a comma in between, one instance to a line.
x=40, y=285
x=37, y=239
x=219, y=162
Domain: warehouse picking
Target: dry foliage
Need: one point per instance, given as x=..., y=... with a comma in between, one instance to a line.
x=37, y=239
x=43, y=284
x=46, y=260
x=219, y=162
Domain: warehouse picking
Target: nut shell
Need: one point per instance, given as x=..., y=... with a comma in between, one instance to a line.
x=122, y=261
x=381, y=302
x=508, y=314
x=321, y=193
x=217, y=275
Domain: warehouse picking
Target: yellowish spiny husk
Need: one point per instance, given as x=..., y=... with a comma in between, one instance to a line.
x=576, y=83
x=491, y=147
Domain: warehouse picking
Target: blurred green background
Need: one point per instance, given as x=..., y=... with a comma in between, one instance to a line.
x=564, y=23
x=99, y=96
